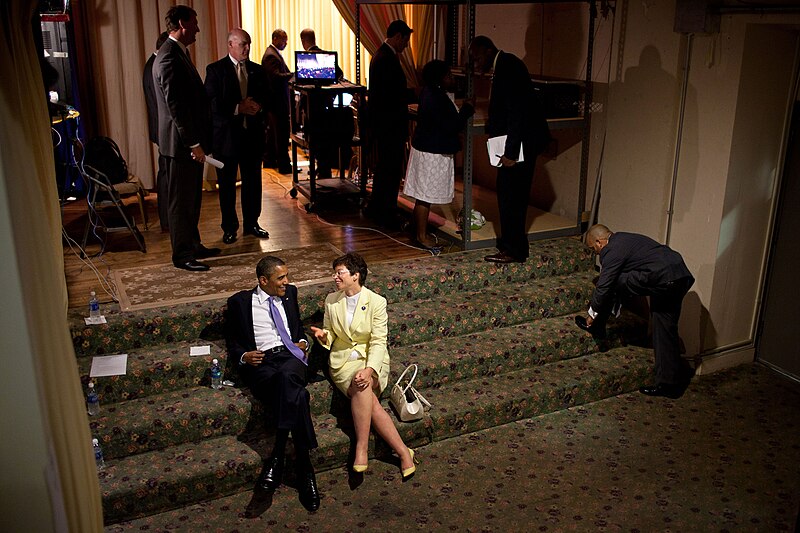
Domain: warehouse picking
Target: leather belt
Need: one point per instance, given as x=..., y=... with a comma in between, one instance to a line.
x=276, y=349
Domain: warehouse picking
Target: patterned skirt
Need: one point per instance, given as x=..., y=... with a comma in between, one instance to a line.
x=429, y=177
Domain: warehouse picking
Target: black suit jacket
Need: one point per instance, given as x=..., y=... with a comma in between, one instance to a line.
x=388, y=94
x=637, y=261
x=184, y=118
x=515, y=110
x=439, y=122
x=239, y=335
x=278, y=76
x=150, y=99
x=222, y=87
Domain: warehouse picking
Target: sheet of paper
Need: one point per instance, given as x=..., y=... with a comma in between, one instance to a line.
x=109, y=365
x=496, y=147
x=194, y=351
x=216, y=163
x=92, y=320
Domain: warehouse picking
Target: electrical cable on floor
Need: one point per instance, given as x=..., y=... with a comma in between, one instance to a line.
x=108, y=286
x=348, y=226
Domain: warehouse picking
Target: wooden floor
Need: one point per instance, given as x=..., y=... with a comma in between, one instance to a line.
x=289, y=226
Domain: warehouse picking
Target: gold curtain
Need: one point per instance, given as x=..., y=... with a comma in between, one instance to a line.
x=261, y=18
x=375, y=18
x=28, y=185
x=116, y=38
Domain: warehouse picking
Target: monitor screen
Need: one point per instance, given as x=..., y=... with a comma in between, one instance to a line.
x=317, y=68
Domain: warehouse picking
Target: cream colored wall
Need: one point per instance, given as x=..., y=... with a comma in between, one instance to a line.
x=730, y=156
x=24, y=448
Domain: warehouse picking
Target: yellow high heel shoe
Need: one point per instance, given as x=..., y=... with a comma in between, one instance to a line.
x=409, y=472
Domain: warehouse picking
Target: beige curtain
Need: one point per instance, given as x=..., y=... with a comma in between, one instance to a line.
x=27, y=172
x=119, y=37
x=261, y=18
x=375, y=18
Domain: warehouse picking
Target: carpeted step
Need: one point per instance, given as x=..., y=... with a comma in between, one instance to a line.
x=446, y=360
x=495, y=307
x=164, y=414
x=169, y=367
x=157, y=481
x=398, y=281
x=481, y=403
x=155, y=370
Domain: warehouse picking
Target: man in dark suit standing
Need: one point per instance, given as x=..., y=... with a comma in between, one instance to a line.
x=515, y=111
x=152, y=127
x=273, y=363
x=325, y=125
x=633, y=264
x=184, y=135
x=236, y=89
x=388, y=120
x=278, y=75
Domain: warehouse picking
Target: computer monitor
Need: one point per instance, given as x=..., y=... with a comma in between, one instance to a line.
x=315, y=68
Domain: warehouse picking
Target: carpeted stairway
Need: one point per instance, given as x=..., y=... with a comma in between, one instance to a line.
x=494, y=344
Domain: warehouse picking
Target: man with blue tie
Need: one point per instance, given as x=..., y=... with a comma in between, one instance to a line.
x=264, y=334
x=237, y=91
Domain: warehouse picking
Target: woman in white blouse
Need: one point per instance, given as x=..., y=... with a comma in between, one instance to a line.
x=354, y=330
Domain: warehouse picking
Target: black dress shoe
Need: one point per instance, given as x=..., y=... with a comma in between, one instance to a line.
x=307, y=487
x=664, y=389
x=257, y=231
x=272, y=474
x=193, y=266
x=597, y=329
x=203, y=252
x=229, y=238
x=502, y=257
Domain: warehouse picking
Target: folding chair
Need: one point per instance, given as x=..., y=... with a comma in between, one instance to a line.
x=104, y=196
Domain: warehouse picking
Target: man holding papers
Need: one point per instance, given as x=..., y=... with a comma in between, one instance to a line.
x=514, y=112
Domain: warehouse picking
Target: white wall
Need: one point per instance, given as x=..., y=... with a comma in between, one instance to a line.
x=24, y=448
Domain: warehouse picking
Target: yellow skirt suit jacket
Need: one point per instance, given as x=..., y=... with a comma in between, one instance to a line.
x=360, y=345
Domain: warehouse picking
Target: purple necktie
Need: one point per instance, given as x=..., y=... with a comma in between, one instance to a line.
x=283, y=334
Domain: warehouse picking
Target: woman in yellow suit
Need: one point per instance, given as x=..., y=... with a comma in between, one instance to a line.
x=354, y=330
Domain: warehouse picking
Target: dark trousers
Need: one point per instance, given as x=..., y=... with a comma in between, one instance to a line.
x=249, y=165
x=513, y=191
x=277, y=148
x=279, y=382
x=184, y=194
x=666, y=301
x=162, y=193
x=390, y=151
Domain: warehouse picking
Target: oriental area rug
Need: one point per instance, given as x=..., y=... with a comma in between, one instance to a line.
x=149, y=286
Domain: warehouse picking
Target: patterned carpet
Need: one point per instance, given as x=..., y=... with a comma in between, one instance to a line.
x=725, y=457
x=149, y=286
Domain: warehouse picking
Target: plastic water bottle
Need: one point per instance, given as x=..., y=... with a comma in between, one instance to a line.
x=92, y=401
x=216, y=375
x=98, y=455
x=94, y=305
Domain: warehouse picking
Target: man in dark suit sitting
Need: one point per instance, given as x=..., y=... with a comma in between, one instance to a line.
x=236, y=89
x=184, y=136
x=273, y=363
x=636, y=265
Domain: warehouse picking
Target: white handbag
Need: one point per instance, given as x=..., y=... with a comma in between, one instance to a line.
x=408, y=403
